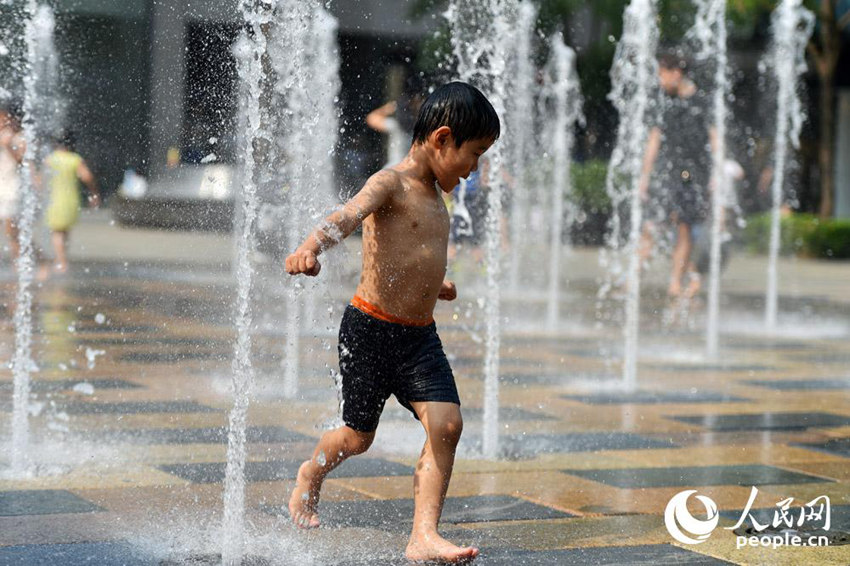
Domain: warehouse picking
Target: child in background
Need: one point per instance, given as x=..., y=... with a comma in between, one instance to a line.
x=11, y=155
x=64, y=170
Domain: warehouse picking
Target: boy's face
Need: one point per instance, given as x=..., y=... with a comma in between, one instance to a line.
x=670, y=78
x=453, y=163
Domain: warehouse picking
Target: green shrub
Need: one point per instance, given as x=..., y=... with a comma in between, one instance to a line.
x=831, y=239
x=589, y=186
x=802, y=234
x=795, y=230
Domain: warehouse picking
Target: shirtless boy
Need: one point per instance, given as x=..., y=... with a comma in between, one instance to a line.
x=388, y=342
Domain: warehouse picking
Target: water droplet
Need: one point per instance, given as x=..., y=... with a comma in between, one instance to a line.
x=100, y=318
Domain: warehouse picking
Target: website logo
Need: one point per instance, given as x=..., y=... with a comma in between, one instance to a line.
x=683, y=526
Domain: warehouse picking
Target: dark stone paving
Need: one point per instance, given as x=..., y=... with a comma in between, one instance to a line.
x=530, y=445
x=824, y=358
x=396, y=514
x=655, y=397
x=43, y=385
x=212, y=435
x=136, y=341
x=274, y=470
x=170, y=357
x=75, y=554
x=643, y=555
x=634, y=478
x=474, y=413
x=107, y=329
x=802, y=384
x=42, y=502
x=715, y=368
x=136, y=408
x=836, y=446
x=766, y=421
x=778, y=346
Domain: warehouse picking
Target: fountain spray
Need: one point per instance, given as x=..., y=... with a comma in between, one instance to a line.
x=249, y=54
x=519, y=118
x=304, y=57
x=791, y=27
x=482, y=33
x=563, y=90
x=634, y=79
x=710, y=33
x=41, y=68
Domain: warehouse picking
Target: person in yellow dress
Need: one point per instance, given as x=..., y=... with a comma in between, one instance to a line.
x=64, y=170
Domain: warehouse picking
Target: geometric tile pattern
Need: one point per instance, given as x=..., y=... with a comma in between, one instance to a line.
x=638, y=478
x=802, y=384
x=655, y=397
x=42, y=502
x=397, y=514
x=765, y=421
x=76, y=554
x=274, y=470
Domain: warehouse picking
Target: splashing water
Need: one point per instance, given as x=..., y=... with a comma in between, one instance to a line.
x=633, y=77
x=792, y=25
x=305, y=59
x=249, y=52
x=482, y=33
x=709, y=32
x=517, y=119
x=563, y=91
x=41, y=69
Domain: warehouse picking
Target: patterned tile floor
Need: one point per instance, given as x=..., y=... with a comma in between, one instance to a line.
x=129, y=441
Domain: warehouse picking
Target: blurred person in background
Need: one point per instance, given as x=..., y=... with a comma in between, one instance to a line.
x=12, y=148
x=64, y=171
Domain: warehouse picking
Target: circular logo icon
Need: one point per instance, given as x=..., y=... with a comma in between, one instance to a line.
x=683, y=526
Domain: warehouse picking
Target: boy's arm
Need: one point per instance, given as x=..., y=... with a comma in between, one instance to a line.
x=85, y=175
x=653, y=144
x=336, y=227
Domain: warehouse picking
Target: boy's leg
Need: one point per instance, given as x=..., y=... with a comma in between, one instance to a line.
x=333, y=448
x=12, y=234
x=681, y=256
x=443, y=425
x=59, y=239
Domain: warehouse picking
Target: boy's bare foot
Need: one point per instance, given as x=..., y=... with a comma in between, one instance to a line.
x=305, y=499
x=432, y=548
x=694, y=286
x=674, y=290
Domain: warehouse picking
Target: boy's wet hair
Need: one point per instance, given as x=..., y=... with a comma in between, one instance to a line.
x=461, y=107
x=13, y=109
x=66, y=138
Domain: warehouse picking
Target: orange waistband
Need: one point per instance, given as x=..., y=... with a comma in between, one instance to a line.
x=373, y=311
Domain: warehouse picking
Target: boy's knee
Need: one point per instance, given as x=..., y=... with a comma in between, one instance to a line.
x=357, y=442
x=449, y=429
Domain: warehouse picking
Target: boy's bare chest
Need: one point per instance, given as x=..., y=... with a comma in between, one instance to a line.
x=422, y=216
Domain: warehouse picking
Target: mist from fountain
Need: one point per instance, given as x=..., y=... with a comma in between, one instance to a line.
x=791, y=27
x=482, y=33
x=519, y=121
x=249, y=55
x=564, y=93
x=634, y=81
x=710, y=33
x=40, y=75
x=305, y=60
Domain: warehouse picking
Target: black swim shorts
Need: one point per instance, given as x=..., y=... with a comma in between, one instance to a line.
x=378, y=358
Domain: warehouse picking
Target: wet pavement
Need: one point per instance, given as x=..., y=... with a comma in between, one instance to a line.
x=131, y=399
